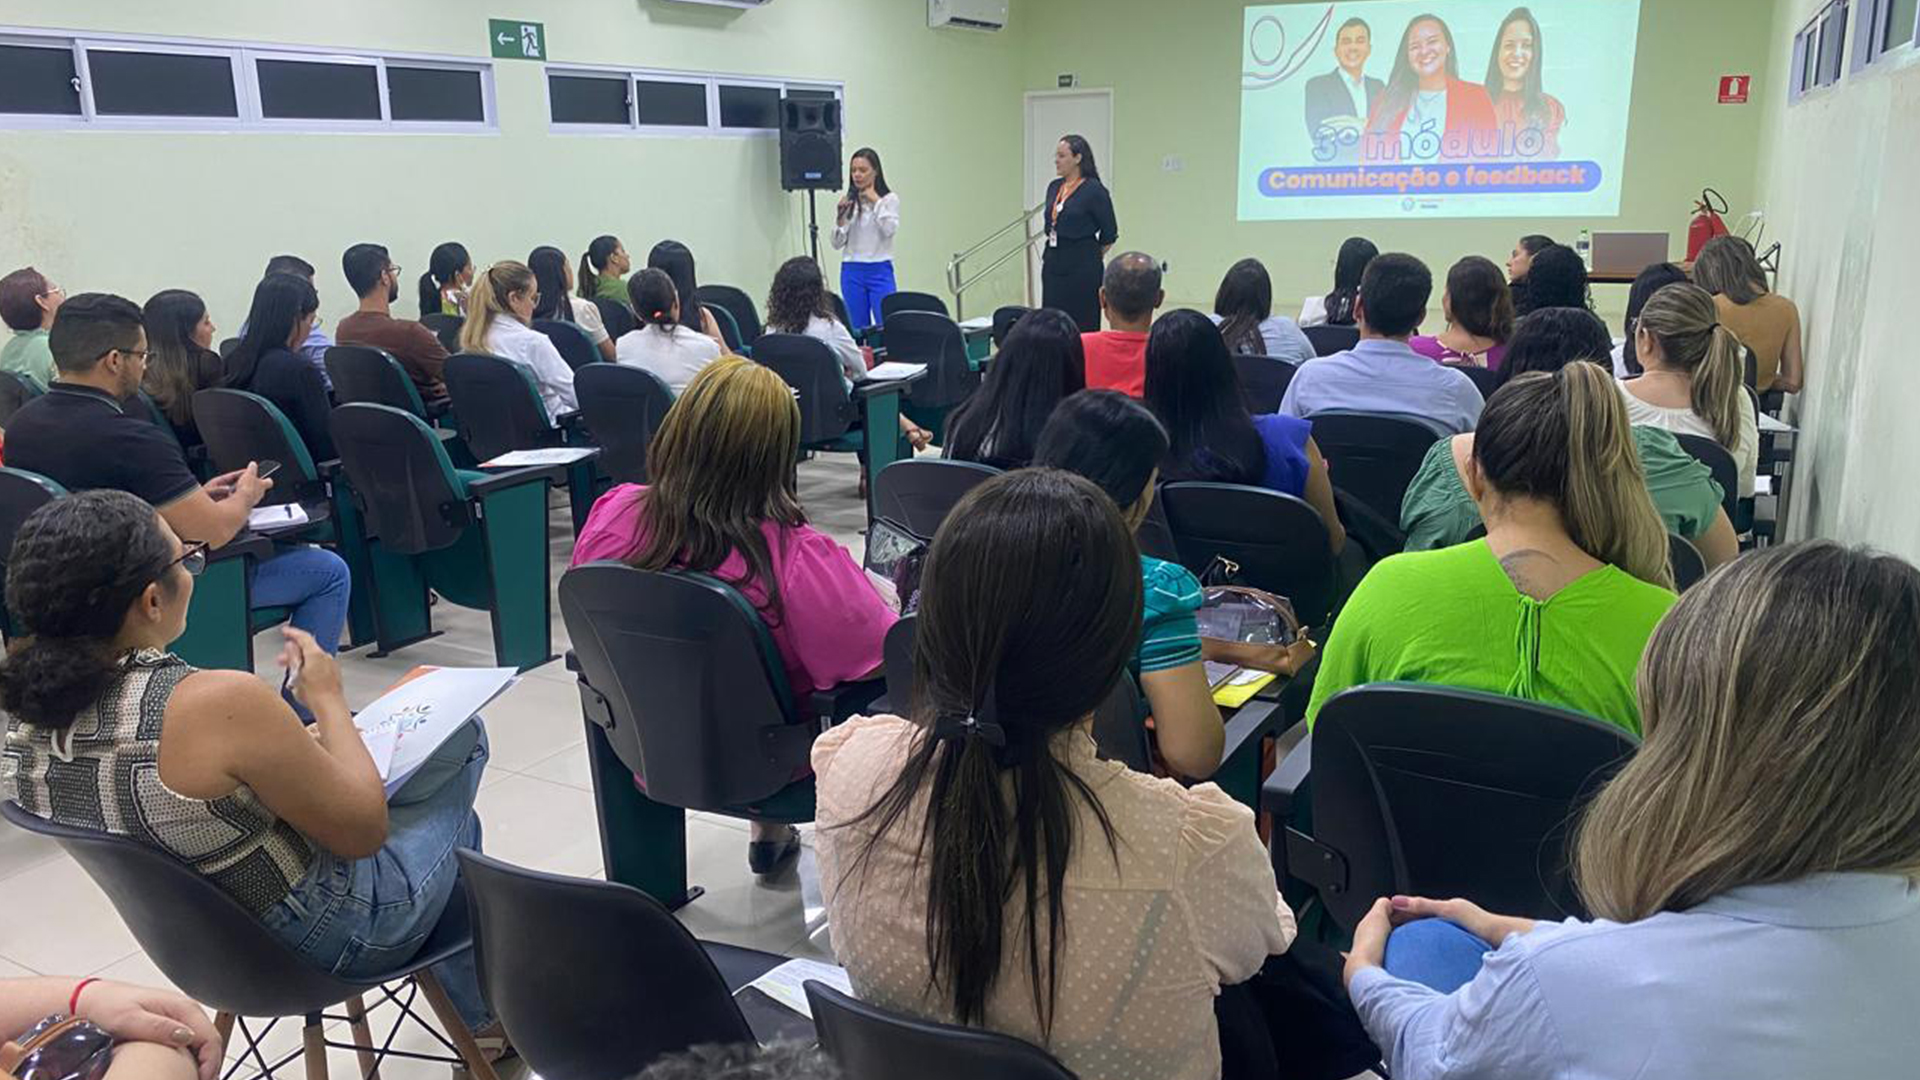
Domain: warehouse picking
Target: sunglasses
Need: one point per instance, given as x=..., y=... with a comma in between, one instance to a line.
x=193, y=559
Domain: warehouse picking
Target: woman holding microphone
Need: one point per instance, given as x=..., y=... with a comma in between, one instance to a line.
x=1080, y=229
x=863, y=231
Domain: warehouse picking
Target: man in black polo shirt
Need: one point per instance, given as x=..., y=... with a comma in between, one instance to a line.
x=79, y=436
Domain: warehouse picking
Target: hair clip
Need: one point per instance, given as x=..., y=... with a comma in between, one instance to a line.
x=969, y=727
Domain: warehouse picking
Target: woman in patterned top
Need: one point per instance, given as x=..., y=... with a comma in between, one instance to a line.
x=114, y=733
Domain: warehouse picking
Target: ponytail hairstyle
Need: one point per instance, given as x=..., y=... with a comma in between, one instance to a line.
x=489, y=301
x=1029, y=610
x=593, y=263
x=1684, y=320
x=1348, y=269
x=549, y=266
x=1651, y=280
x=443, y=266
x=677, y=260
x=1564, y=438
x=78, y=564
x=1243, y=302
x=652, y=295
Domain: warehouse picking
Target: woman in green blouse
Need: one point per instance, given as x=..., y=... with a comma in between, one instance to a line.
x=603, y=270
x=1557, y=602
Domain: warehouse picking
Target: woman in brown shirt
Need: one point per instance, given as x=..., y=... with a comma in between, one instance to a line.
x=1764, y=321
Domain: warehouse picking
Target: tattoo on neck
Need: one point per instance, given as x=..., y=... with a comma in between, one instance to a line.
x=1516, y=564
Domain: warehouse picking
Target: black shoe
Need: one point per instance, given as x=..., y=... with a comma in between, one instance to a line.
x=770, y=856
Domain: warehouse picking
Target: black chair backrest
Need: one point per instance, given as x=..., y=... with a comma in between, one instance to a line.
x=200, y=938
x=917, y=493
x=402, y=476
x=622, y=406
x=827, y=410
x=1155, y=536
x=21, y=493
x=1435, y=791
x=573, y=344
x=695, y=689
x=1485, y=380
x=365, y=375
x=15, y=390
x=869, y=1043
x=1004, y=320
x=910, y=301
x=240, y=427
x=1688, y=564
x=591, y=980
x=1373, y=457
x=1721, y=464
x=729, y=329
x=498, y=406
x=840, y=311
x=446, y=328
x=1279, y=541
x=737, y=303
x=1263, y=381
x=616, y=317
x=930, y=338
x=1327, y=340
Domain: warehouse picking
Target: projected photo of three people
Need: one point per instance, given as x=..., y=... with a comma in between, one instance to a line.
x=1425, y=111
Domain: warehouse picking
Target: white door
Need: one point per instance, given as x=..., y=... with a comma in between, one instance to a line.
x=1050, y=115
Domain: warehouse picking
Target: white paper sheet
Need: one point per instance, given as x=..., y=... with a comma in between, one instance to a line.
x=277, y=518
x=784, y=984
x=984, y=322
x=558, y=455
x=894, y=369
x=404, y=726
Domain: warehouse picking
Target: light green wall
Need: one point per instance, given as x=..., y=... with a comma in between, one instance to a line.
x=137, y=212
x=1174, y=70
x=1838, y=172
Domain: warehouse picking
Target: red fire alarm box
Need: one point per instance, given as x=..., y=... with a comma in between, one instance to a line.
x=1734, y=88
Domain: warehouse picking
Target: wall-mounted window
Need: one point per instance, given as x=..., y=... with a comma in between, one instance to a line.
x=50, y=79
x=1819, y=49
x=670, y=102
x=1882, y=26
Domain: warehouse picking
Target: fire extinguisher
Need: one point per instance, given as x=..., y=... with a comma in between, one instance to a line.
x=1707, y=222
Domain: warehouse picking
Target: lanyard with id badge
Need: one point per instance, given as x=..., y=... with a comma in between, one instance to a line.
x=1067, y=188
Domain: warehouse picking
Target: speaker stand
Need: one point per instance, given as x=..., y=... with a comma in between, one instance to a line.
x=813, y=224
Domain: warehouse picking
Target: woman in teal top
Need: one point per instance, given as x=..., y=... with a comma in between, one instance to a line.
x=1557, y=603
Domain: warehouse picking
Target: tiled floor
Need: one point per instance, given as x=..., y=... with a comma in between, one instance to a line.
x=536, y=804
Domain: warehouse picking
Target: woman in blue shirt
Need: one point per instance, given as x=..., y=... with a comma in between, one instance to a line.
x=1753, y=868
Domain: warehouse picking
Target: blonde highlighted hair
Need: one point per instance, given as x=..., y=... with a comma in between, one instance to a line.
x=1683, y=319
x=1781, y=704
x=489, y=301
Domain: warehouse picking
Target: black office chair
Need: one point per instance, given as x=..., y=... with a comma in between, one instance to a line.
x=1155, y=536
x=1485, y=380
x=1725, y=473
x=219, y=954
x=737, y=303
x=1004, y=320
x=227, y=345
x=1688, y=564
x=21, y=493
x=829, y=415
x=729, y=328
x=594, y=980
x=840, y=311
x=622, y=407
x=575, y=347
x=1436, y=791
x=910, y=301
x=870, y=1043
x=16, y=390
x=1263, y=381
x=1278, y=541
x=1372, y=458
x=240, y=427
x=933, y=339
x=498, y=405
x=616, y=316
x=916, y=494
x=445, y=327
x=1327, y=340
x=362, y=374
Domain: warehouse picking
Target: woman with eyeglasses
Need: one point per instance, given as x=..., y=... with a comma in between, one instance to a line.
x=114, y=733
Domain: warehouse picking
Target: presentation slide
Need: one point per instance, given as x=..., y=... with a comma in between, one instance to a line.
x=1435, y=108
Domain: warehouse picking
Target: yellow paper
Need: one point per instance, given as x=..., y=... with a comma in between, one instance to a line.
x=1240, y=687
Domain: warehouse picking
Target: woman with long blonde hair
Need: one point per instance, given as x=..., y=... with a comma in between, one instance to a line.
x=1752, y=870
x=722, y=502
x=500, y=323
x=1691, y=380
x=1556, y=603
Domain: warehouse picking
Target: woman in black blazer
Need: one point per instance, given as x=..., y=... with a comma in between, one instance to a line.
x=1080, y=229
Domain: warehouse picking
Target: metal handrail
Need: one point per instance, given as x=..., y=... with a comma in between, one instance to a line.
x=957, y=281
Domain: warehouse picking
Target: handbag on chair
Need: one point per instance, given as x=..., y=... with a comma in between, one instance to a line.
x=1245, y=626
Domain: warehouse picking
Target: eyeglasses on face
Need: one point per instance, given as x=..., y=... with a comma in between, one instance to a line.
x=193, y=559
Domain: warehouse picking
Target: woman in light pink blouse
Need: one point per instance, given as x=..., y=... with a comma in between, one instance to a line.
x=722, y=503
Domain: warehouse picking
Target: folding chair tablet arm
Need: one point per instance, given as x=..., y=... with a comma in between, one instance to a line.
x=872, y=387
x=1251, y=723
x=512, y=478
x=1295, y=854
x=245, y=545
x=838, y=704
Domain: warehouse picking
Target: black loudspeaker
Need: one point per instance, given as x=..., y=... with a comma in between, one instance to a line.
x=810, y=144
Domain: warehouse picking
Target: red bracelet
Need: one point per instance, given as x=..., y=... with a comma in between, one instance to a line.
x=73, y=1003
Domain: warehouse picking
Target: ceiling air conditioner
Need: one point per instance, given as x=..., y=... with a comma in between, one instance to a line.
x=728, y=3
x=968, y=14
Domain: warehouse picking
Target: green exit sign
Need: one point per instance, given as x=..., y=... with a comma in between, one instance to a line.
x=512, y=39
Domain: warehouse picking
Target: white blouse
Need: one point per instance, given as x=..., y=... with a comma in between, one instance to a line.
x=674, y=353
x=511, y=339
x=868, y=238
x=1746, y=454
x=586, y=315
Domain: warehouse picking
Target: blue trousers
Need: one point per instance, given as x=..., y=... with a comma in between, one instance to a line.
x=863, y=285
x=1435, y=953
x=314, y=582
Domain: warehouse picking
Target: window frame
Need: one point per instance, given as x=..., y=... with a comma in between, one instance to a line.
x=23, y=121
x=548, y=71
x=294, y=123
x=710, y=81
x=1875, y=21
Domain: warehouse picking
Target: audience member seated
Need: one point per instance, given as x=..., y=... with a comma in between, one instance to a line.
x=557, y=302
x=722, y=502
x=983, y=866
x=1519, y=264
x=1382, y=374
x=264, y=362
x=28, y=302
x=1762, y=319
x=158, y=1034
x=1438, y=511
x=798, y=304
x=180, y=358
x=1337, y=307
x=677, y=260
x=1243, y=310
x=80, y=436
x=1193, y=388
x=500, y=323
x=1556, y=603
x=1750, y=871
x=1692, y=382
x=660, y=344
x=1039, y=365
x=1657, y=276
x=313, y=346
x=1129, y=294
x=112, y=732
x=1556, y=277
x=374, y=278
x=603, y=270
x=1479, y=314
x=446, y=284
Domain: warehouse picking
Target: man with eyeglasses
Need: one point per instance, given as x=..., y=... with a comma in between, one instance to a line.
x=80, y=435
x=27, y=305
x=376, y=281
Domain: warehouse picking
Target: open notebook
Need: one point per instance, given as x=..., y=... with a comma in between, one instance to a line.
x=405, y=725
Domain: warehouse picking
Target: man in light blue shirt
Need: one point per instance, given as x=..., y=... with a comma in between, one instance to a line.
x=1382, y=374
